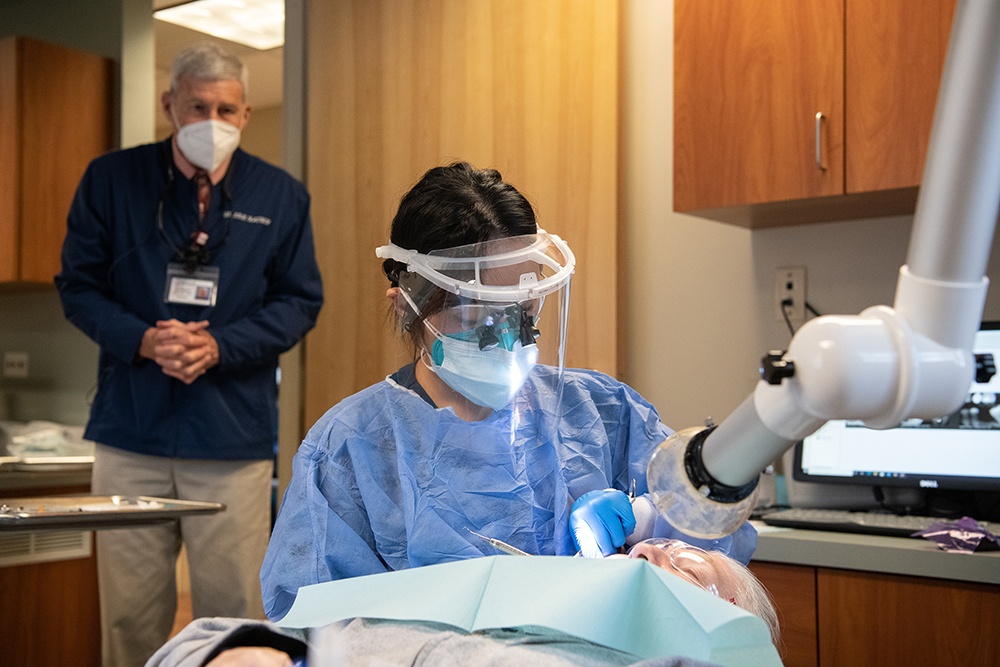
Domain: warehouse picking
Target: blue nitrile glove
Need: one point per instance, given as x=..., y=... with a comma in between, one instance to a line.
x=600, y=521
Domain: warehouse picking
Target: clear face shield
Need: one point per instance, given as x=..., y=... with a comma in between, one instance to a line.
x=490, y=320
x=493, y=311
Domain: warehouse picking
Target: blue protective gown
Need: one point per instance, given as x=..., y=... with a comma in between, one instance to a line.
x=112, y=287
x=386, y=481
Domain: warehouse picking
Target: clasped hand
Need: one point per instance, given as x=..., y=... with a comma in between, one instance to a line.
x=183, y=350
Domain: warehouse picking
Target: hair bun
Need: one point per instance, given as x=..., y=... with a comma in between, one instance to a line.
x=391, y=268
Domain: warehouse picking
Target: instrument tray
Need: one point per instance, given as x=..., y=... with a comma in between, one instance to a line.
x=95, y=512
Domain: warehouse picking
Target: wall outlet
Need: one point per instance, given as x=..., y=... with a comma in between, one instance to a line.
x=790, y=293
x=15, y=364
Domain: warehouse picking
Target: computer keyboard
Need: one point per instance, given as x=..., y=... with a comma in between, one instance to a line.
x=844, y=521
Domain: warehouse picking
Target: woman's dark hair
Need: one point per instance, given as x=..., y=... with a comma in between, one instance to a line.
x=454, y=206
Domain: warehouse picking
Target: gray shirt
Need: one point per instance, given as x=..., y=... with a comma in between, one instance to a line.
x=390, y=643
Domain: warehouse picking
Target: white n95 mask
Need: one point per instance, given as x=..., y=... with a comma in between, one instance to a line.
x=489, y=378
x=208, y=143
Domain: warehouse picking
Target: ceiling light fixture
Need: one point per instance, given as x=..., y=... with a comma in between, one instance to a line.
x=256, y=23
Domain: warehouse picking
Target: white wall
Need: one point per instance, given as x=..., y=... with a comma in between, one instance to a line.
x=62, y=362
x=691, y=339
x=698, y=294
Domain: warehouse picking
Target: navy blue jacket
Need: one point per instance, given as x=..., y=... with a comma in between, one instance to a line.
x=114, y=265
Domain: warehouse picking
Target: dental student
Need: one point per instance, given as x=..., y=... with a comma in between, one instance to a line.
x=485, y=432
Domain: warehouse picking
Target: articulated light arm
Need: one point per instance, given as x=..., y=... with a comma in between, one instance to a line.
x=886, y=364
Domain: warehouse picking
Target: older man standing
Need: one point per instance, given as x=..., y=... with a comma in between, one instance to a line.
x=191, y=264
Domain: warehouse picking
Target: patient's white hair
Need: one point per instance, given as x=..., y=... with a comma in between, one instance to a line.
x=750, y=594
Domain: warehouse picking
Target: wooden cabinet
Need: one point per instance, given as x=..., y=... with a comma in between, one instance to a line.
x=803, y=110
x=832, y=616
x=55, y=116
x=50, y=605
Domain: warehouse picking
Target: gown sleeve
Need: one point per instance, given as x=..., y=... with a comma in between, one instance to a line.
x=322, y=531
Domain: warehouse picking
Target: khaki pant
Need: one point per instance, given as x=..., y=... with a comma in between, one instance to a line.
x=137, y=566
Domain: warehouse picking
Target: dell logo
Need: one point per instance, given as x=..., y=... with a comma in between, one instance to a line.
x=928, y=484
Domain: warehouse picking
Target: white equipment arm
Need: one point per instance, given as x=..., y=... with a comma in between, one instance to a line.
x=886, y=364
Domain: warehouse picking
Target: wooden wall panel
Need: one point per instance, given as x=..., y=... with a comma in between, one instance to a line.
x=398, y=86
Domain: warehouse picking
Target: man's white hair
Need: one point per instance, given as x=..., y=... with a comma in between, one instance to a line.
x=207, y=61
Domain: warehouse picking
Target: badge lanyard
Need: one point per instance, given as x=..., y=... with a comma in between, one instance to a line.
x=191, y=279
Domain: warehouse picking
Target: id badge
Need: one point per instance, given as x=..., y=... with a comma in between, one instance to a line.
x=195, y=288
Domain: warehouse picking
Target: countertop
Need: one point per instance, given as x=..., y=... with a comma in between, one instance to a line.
x=873, y=553
x=17, y=474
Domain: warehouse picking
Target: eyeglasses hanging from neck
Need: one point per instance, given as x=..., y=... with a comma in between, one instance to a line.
x=197, y=251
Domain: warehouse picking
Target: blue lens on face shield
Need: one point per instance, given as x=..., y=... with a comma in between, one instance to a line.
x=483, y=338
x=491, y=326
x=491, y=336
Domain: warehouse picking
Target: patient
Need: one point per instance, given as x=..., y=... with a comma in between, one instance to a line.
x=714, y=571
x=218, y=642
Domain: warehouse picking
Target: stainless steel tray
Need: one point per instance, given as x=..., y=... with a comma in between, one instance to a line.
x=95, y=512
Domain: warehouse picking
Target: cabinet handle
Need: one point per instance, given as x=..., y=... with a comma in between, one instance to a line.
x=819, y=141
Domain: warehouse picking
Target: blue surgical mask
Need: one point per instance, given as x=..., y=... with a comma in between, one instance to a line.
x=490, y=377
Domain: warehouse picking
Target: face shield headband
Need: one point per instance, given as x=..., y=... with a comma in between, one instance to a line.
x=469, y=271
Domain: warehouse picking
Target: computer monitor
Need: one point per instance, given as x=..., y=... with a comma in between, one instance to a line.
x=960, y=452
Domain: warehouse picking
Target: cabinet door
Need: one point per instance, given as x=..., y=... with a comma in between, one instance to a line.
x=895, y=56
x=866, y=618
x=55, y=116
x=9, y=160
x=793, y=589
x=65, y=122
x=51, y=607
x=749, y=80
